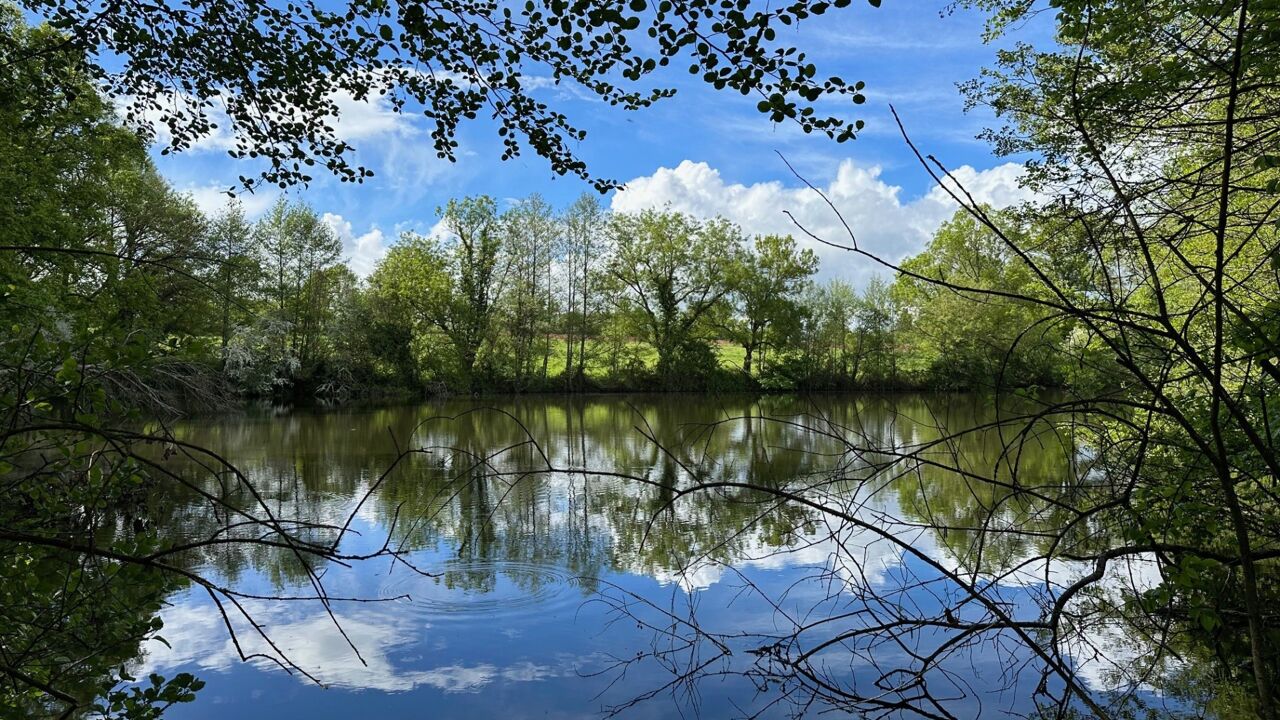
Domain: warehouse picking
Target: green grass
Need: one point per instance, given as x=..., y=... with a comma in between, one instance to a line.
x=729, y=355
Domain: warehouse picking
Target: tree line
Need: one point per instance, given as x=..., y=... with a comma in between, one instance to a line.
x=532, y=298
x=536, y=299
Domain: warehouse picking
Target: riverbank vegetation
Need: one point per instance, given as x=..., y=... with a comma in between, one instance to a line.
x=1142, y=284
x=526, y=298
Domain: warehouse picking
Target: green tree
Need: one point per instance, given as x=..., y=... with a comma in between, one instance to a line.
x=1153, y=126
x=827, y=348
x=57, y=144
x=298, y=253
x=375, y=332
x=875, y=334
x=967, y=322
x=764, y=295
x=672, y=270
x=453, y=285
x=152, y=254
x=234, y=275
x=586, y=243
x=98, y=267
x=532, y=236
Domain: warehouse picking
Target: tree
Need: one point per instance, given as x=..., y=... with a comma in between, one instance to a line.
x=104, y=297
x=153, y=239
x=235, y=275
x=1153, y=247
x=479, y=274
x=673, y=270
x=960, y=338
x=298, y=252
x=1154, y=126
x=828, y=313
x=453, y=285
x=586, y=239
x=272, y=74
x=86, y=217
x=875, y=324
x=93, y=237
x=57, y=143
x=380, y=330
x=532, y=236
x=766, y=289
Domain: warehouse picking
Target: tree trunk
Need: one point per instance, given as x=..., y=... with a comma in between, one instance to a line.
x=568, y=359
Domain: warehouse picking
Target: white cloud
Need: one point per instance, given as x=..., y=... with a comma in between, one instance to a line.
x=370, y=118
x=212, y=198
x=362, y=252
x=195, y=635
x=883, y=222
x=998, y=186
x=146, y=115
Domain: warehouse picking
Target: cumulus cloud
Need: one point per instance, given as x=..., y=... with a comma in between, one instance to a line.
x=883, y=222
x=362, y=252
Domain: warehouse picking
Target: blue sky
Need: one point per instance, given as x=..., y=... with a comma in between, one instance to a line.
x=703, y=151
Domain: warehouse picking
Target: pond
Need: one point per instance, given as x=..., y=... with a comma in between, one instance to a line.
x=814, y=567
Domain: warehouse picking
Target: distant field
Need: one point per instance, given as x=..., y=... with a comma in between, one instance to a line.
x=730, y=356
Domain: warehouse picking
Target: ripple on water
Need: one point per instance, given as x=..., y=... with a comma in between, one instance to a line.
x=486, y=589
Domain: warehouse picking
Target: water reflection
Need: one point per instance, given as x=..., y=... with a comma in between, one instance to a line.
x=564, y=593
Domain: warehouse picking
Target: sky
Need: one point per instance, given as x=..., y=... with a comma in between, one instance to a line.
x=703, y=151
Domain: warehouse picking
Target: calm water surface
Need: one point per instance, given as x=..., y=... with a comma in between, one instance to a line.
x=543, y=587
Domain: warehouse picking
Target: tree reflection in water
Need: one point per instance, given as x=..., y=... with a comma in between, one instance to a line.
x=883, y=554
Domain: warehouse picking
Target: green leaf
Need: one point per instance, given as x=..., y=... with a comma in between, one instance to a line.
x=69, y=371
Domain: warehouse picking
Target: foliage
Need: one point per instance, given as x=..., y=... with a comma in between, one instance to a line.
x=965, y=324
x=452, y=286
x=584, y=243
x=259, y=358
x=231, y=248
x=1154, y=128
x=114, y=294
x=764, y=297
x=500, y=290
x=671, y=271
x=533, y=239
x=1145, y=281
x=273, y=74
